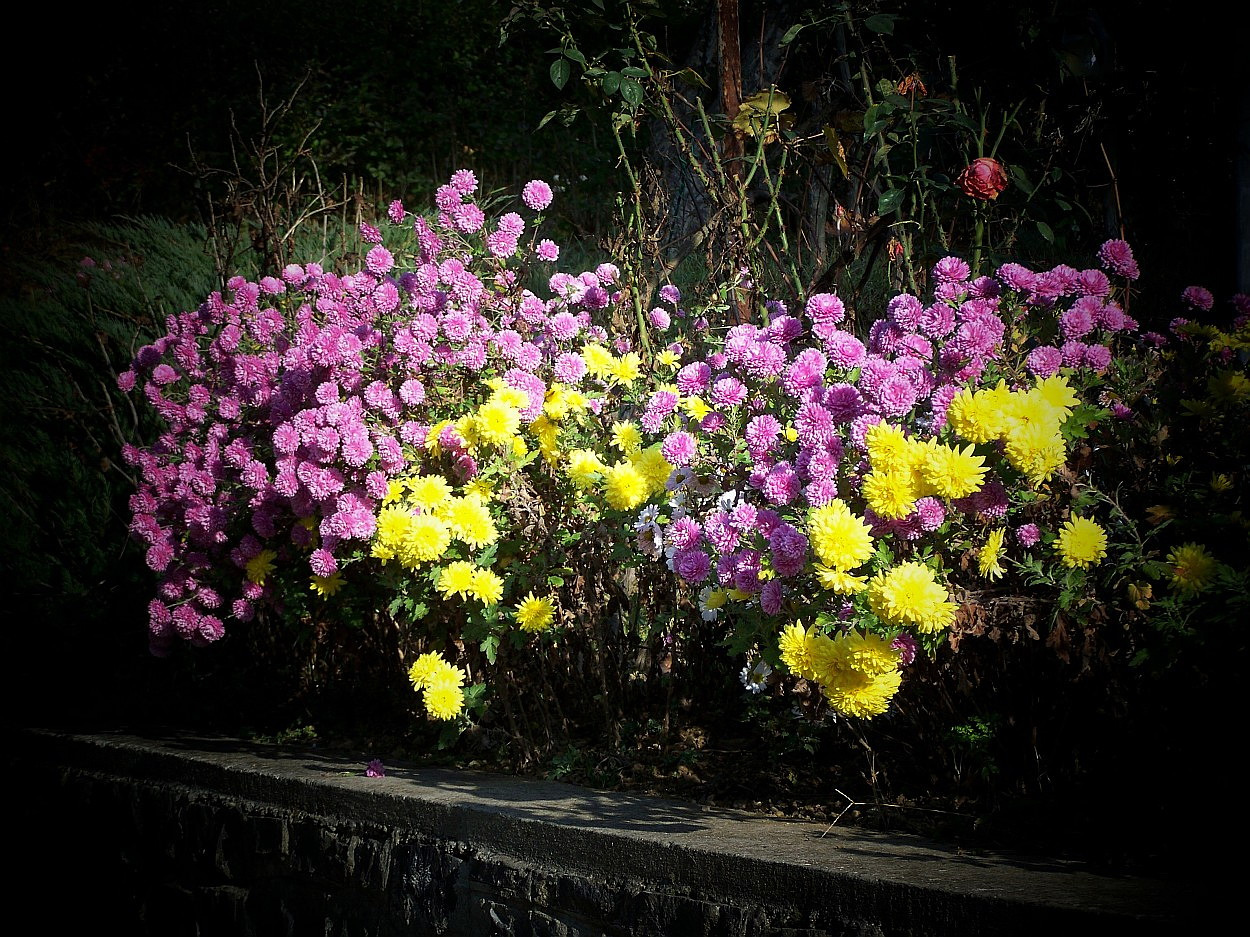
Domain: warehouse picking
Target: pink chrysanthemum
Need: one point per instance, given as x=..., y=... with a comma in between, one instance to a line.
x=728, y=392
x=825, y=307
x=1073, y=354
x=379, y=260
x=782, y=484
x=904, y=310
x=936, y=321
x=547, y=250
x=844, y=402
x=659, y=318
x=1027, y=535
x=844, y=349
x=694, y=378
x=761, y=434
x=684, y=533
x=692, y=565
x=952, y=270
x=679, y=448
x=1097, y=357
x=1044, y=361
x=1197, y=297
x=464, y=181
x=536, y=195
x=569, y=368
x=1117, y=256
x=468, y=217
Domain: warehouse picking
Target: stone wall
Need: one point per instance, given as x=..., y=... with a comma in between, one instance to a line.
x=209, y=836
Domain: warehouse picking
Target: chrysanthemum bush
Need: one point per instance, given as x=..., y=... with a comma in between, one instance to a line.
x=452, y=437
x=375, y=431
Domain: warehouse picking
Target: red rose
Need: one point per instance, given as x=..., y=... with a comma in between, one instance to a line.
x=983, y=178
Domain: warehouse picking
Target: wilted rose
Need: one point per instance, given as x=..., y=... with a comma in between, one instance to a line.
x=983, y=178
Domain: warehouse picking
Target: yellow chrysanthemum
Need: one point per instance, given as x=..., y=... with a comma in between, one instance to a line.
x=695, y=407
x=954, y=473
x=1193, y=568
x=1035, y=450
x=547, y=433
x=889, y=449
x=260, y=566
x=627, y=368
x=470, y=521
x=510, y=396
x=427, y=539
x=326, y=585
x=839, y=580
x=869, y=653
x=990, y=555
x=862, y=695
x=599, y=361
x=487, y=587
x=496, y=422
x=480, y=488
x=1081, y=542
x=456, y=579
x=584, y=467
x=626, y=436
x=427, y=491
x=796, y=649
x=1228, y=386
x=667, y=358
x=395, y=489
x=1035, y=408
x=423, y=669
x=625, y=487
x=841, y=540
x=535, y=614
x=909, y=594
x=444, y=701
x=652, y=465
x=975, y=415
x=890, y=494
x=1056, y=391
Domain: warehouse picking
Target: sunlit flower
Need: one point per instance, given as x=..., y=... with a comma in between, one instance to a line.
x=1081, y=543
x=535, y=614
x=990, y=555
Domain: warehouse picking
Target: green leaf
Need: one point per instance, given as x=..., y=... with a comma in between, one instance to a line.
x=1020, y=179
x=555, y=581
x=791, y=34
x=691, y=77
x=490, y=647
x=575, y=55
x=546, y=118
x=633, y=71
x=560, y=72
x=881, y=23
x=1044, y=230
x=631, y=91
x=610, y=82
x=889, y=201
